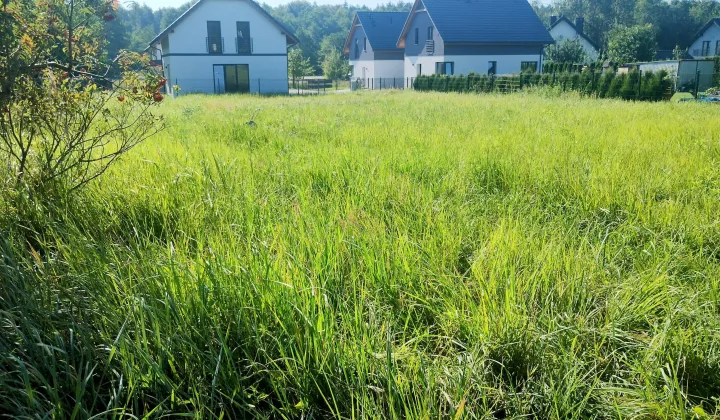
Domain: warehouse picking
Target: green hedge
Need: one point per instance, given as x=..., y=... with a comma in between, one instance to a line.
x=634, y=85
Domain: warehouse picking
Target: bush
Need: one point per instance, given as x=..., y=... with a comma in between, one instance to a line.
x=616, y=86
x=633, y=85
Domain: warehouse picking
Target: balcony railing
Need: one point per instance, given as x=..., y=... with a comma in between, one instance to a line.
x=215, y=45
x=430, y=47
x=243, y=45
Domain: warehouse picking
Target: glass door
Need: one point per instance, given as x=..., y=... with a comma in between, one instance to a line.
x=232, y=78
x=244, y=42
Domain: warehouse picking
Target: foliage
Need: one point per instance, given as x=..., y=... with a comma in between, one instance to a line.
x=628, y=44
x=63, y=122
x=298, y=66
x=674, y=22
x=338, y=261
x=652, y=86
x=334, y=66
x=566, y=51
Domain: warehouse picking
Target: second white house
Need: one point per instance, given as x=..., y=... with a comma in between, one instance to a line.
x=479, y=36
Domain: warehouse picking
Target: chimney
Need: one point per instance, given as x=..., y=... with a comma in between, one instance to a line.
x=580, y=25
x=553, y=19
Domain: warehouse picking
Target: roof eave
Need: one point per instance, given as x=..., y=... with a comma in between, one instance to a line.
x=704, y=29
x=401, y=40
x=355, y=24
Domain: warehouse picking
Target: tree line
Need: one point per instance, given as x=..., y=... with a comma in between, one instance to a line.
x=671, y=23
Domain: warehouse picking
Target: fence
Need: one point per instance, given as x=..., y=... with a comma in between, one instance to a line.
x=381, y=83
x=255, y=86
x=634, y=85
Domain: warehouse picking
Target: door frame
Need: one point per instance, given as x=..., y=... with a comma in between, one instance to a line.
x=249, y=90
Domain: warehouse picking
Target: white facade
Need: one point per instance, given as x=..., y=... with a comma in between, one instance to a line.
x=563, y=31
x=464, y=64
x=711, y=39
x=188, y=63
x=377, y=69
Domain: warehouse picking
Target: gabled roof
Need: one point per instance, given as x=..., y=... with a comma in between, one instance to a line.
x=381, y=28
x=291, y=39
x=714, y=21
x=582, y=34
x=482, y=22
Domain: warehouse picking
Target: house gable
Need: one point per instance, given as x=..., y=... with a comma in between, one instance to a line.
x=563, y=27
x=358, y=46
x=708, y=33
x=417, y=28
x=376, y=32
x=191, y=14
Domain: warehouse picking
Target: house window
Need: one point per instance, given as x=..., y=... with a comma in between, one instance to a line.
x=447, y=67
x=492, y=67
x=357, y=49
x=364, y=44
x=717, y=48
x=243, y=40
x=430, y=33
x=419, y=69
x=417, y=36
x=214, y=41
x=528, y=67
x=705, y=48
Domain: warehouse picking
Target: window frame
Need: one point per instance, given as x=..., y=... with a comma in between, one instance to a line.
x=419, y=69
x=430, y=33
x=525, y=63
x=494, y=68
x=717, y=48
x=705, y=49
x=417, y=36
x=249, y=46
x=365, y=44
x=219, y=38
x=442, y=65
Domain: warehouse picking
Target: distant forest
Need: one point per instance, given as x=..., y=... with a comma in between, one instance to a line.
x=320, y=27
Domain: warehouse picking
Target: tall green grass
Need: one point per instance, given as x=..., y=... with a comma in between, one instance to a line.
x=395, y=255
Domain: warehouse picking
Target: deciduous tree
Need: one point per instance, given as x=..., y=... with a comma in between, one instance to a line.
x=627, y=44
x=566, y=51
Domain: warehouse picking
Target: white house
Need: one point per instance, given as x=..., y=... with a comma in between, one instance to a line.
x=372, y=48
x=562, y=29
x=479, y=36
x=707, y=41
x=224, y=46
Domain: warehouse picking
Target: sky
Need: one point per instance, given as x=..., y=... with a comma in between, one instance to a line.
x=156, y=4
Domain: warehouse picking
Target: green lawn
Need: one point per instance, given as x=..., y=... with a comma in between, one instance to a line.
x=384, y=255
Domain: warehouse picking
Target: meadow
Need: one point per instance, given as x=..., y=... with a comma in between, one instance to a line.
x=386, y=255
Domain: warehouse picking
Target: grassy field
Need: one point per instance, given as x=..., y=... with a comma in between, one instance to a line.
x=386, y=255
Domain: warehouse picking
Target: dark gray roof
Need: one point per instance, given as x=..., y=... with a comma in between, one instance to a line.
x=486, y=22
x=582, y=34
x=714, y=21
x=382, y=28
x=291, y=39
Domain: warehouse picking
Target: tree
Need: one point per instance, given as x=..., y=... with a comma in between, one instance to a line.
x=335, y=66
x=298, y=66
x=627, y=44
x=566, y=51
x=63, y=121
